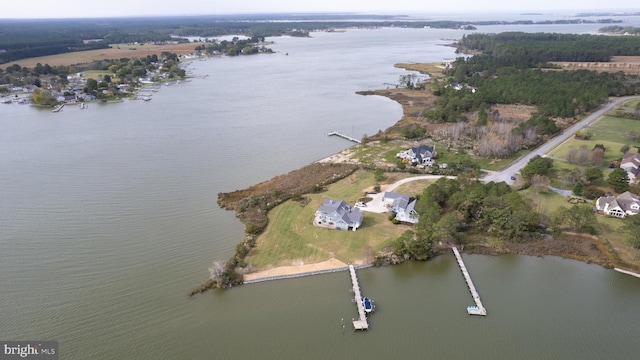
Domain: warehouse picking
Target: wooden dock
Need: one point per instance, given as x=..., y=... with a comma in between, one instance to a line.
x=478, y=309
x=361, y=323
x=336, y=133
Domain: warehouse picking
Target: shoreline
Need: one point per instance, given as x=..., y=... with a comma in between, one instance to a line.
x=283, y=272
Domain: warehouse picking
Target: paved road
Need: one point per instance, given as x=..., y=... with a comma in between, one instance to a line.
x=377, y=206
x=505, y=174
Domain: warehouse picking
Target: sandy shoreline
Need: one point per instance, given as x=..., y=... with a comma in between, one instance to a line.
x=296, y=269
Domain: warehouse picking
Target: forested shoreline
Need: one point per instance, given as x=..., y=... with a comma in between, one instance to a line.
x=20, y=39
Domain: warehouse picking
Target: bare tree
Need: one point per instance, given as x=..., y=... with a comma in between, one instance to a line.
x=540, y=183
x=597, y=155
x=216, y=270
x=572, y=155
x=583, y=155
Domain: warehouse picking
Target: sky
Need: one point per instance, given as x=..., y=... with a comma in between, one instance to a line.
x=126, y=8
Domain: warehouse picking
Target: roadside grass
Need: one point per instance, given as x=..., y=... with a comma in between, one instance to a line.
x=499, y=164
x=291, y=238
x=608, y=131
x=617, y=124
x=612, y=153
x=631, y=103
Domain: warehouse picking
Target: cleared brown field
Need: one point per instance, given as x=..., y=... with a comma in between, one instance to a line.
x=117, y=51
x=628, y=64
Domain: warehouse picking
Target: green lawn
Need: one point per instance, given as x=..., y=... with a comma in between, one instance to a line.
x=291, y=237
x=94, y=74
x=617, y=124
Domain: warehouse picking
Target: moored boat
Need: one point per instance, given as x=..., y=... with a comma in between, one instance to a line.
x=368, y=304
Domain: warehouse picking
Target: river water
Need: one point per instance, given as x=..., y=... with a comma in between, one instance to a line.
x=108, y=218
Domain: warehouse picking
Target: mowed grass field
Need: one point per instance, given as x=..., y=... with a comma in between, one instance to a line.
x=609, y=131
x=117, y=51
x=291, y=239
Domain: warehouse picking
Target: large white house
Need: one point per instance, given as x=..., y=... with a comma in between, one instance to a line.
x=631, y=164
x=625, y=204
x=422, y=154
x=337, y=214
x=402, y=206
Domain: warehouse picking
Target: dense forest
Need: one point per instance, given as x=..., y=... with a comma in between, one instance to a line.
x=516, y=68
x=452, y=210
x=530, y=49
x=21, y=39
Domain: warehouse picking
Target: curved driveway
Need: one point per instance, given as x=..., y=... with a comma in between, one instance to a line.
x=377, y=206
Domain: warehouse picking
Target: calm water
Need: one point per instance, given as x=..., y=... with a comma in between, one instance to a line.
x=108, y=217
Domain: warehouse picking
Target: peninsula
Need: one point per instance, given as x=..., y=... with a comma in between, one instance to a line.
x=478, y=134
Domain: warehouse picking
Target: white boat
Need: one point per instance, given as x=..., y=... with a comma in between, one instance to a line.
x=368, y=304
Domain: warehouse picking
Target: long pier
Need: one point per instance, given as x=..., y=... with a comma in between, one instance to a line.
x=478, y=309
x=336, y=133
x=361, y=323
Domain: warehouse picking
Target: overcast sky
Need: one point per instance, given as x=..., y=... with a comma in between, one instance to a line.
x=118, y=8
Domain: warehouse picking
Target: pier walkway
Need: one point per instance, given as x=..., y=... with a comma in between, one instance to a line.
x=361, y=323
x=479, y=308
x=336, y=133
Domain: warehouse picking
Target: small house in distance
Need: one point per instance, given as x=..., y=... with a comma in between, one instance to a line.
x=625, y=204
x=419, y=155
x=337, y=214
x=402, y=206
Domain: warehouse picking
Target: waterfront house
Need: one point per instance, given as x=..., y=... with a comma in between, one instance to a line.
x=422, y=154
x=631, y=164
x=625, y=204
x=337, y=214
x=402, y=206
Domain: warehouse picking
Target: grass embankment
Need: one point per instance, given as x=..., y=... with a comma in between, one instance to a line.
x=251, y=204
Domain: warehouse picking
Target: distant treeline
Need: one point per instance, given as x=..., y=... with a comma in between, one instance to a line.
x=28, y=38
x=530, y=49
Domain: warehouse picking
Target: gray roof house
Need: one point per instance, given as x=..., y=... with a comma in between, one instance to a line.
x=631, y=164
x=402, y=205
x=337, y=214
x=621, y=206
x=422, y=154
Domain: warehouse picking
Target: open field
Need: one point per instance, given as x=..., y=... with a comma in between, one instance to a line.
x=609, y=131
x=434, y=70
x=628, y=64
x=117, y=51
x=291, y=239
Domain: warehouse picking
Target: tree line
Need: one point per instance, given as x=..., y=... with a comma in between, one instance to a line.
x=29, y=38
x=545, y=47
